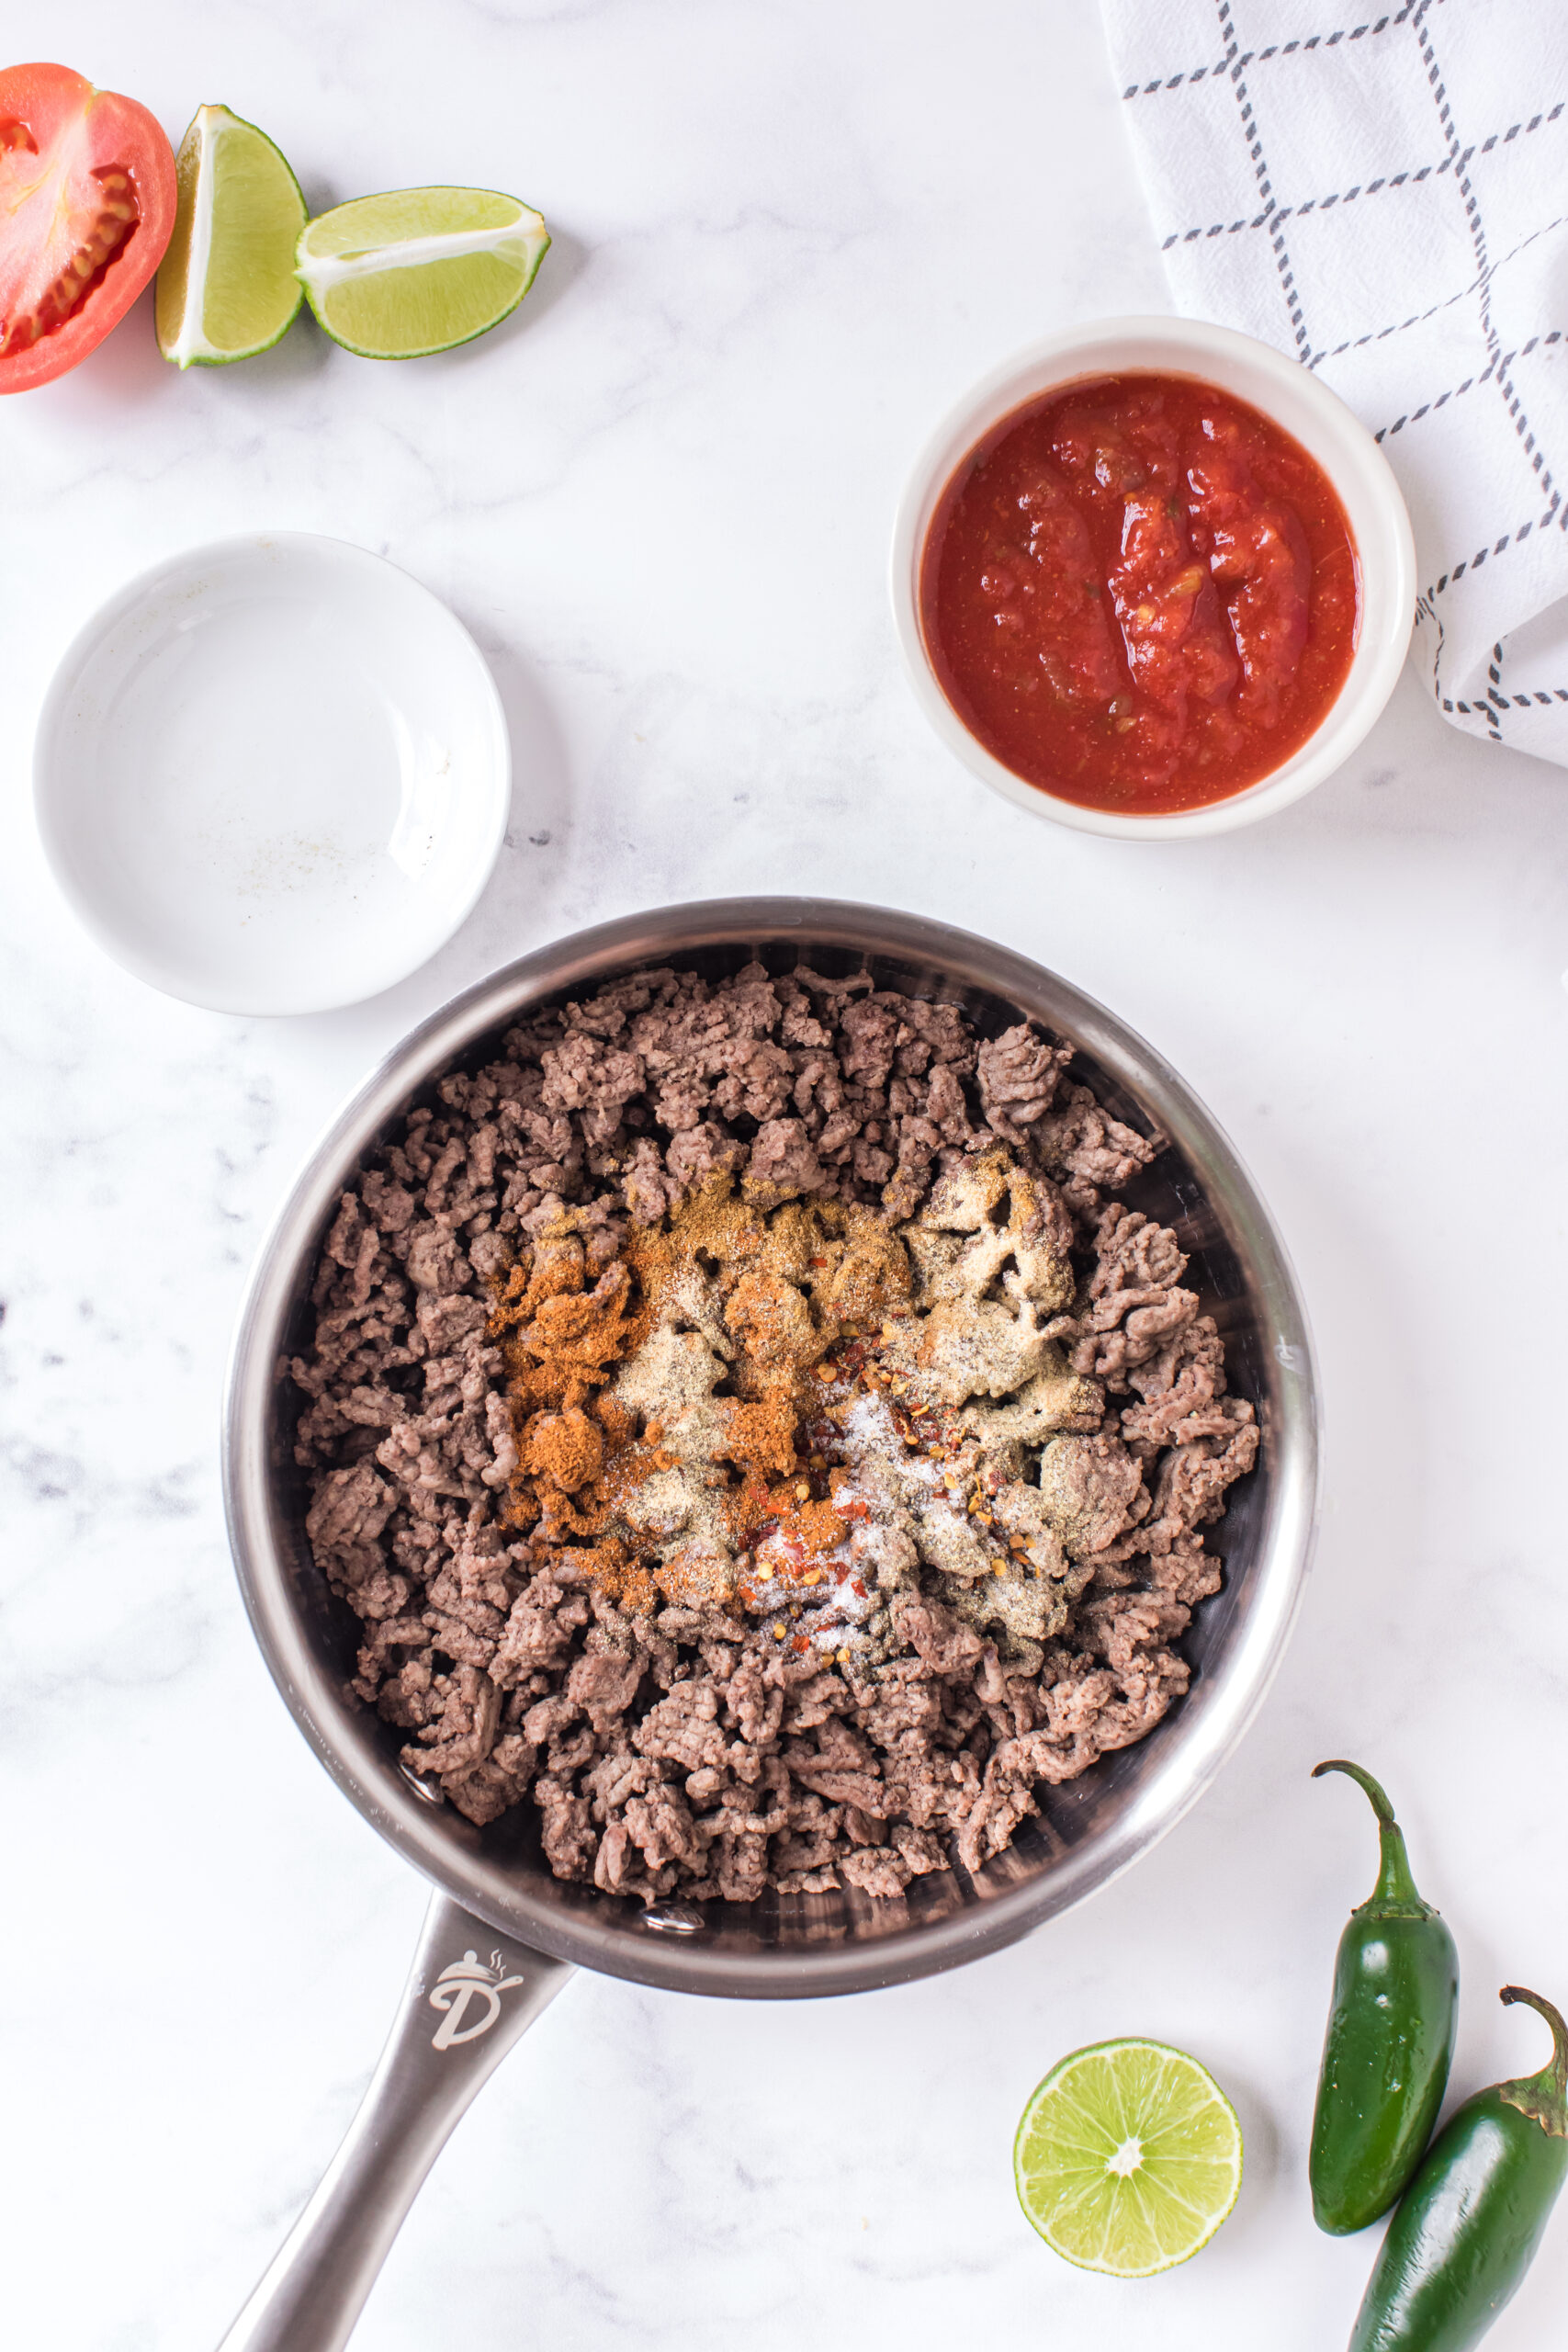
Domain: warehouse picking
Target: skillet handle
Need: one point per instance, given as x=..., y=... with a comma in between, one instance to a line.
x=470, y=1996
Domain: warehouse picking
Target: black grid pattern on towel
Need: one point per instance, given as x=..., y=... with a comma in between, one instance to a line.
x=1269, y=217
x=1260, y=56
x=1414, y=20
x=1386, y=182
x=1503, y=378
x=1418, y=318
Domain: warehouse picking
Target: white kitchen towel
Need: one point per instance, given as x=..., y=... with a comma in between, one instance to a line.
x=1386, y=196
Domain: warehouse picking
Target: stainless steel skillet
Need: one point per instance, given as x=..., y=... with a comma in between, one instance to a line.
x=502, y=1935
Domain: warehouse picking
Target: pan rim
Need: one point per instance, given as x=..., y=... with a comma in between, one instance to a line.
x=1277, y=1575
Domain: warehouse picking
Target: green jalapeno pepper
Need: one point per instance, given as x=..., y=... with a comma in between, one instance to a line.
x=1390, y=2036
x=1469, y=2225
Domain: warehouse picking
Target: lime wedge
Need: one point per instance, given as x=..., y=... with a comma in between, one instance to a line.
x=397, y=277
x=1128, y=2158
x=226, y=286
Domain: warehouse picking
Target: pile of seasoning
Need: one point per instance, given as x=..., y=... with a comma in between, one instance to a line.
x=704, y=1412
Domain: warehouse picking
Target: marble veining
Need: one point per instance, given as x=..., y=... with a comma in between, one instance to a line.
x=786, y=238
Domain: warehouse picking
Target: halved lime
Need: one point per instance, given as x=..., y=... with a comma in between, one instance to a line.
x=397, y=277
x=226, y=286
x=1128, y=2157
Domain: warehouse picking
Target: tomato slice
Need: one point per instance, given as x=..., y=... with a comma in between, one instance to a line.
x=86, y=206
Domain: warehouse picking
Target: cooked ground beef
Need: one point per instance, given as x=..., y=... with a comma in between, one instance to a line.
x=673, y=1745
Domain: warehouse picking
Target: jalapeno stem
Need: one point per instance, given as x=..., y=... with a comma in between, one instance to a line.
x=1543, y=2096
x=1395, y=1895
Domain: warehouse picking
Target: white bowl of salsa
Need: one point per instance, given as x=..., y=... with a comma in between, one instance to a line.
x=1152, y=579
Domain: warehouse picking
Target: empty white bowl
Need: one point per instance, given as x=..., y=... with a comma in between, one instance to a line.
x=272, y=775
x=1296, y=399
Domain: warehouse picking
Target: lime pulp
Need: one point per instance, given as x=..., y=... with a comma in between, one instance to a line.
x=226, y=286
x=421, y=269
x=1128, y=2158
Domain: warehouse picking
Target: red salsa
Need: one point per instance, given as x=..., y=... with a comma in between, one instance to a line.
x=1140, y=593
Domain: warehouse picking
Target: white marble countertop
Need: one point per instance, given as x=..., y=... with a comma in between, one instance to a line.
x=786, y=237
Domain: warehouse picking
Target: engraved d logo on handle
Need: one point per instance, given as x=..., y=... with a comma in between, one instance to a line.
x=460, y=1984
x=310, y=2295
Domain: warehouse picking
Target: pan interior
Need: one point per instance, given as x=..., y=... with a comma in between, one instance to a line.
x=1113, y=1809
